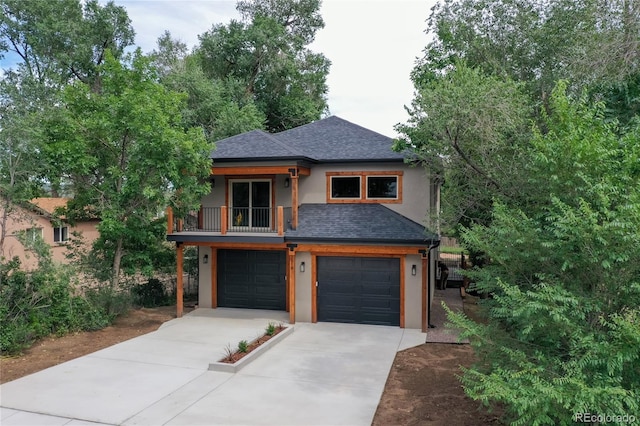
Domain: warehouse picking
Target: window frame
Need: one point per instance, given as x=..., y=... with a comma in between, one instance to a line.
x=31, y=233
x=230, y=202
x=382, y=198
x=364, y=181
x=331, y=179
x=64, y=235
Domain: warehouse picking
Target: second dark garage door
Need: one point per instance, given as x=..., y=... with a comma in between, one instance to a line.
x=252, y=279
x=364, y=290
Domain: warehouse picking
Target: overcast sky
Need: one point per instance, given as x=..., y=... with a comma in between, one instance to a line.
x=372, y=45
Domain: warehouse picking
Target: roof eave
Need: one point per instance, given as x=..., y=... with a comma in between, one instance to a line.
x=259, y=159
x=377, y=241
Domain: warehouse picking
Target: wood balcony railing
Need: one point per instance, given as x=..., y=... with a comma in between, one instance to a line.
x=225, y=219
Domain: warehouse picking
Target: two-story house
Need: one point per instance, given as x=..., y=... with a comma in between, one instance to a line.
x=324, y=221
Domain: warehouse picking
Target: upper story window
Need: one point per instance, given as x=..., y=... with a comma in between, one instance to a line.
x=345, y=187
x=364, y=187
x=60, y=234
x=382, y=187
x=32, y=235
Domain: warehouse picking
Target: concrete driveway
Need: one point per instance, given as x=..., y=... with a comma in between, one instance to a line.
x=323, y=374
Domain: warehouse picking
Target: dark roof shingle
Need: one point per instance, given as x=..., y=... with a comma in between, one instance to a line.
x=357, y=223
x=327, y=140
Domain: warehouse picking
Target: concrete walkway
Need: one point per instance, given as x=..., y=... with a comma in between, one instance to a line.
x=322, y=374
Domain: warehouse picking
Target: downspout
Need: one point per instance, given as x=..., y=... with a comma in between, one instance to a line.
x=436, y=245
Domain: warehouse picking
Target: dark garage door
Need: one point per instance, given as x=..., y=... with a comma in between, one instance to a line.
x=252, y=279
x=363, y=290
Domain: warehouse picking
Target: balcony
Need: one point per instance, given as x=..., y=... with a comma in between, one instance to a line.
x=223, y=220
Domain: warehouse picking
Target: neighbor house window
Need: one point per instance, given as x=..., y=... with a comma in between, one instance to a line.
x=364, y=187
x=345, y=187
x=382, y=187
x=33, y=234
x=60, y=234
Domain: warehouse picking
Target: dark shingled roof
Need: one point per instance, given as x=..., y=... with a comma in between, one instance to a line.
x=357, y=223
x=328, y=140
x=254, y=144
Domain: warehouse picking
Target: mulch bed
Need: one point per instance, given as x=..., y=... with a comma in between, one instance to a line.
x=253, y=345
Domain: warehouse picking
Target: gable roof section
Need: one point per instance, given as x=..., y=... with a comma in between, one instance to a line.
x=255, y=144
x=335, y=139
x=363, y=223
x=328, y=140
x=49, y=204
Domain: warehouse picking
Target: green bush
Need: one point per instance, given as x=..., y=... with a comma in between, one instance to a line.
x=38, y=303
x=151, y=294
x=563, y=270
x=108, y=301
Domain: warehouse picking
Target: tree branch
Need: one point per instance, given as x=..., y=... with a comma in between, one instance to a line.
x=466, y=159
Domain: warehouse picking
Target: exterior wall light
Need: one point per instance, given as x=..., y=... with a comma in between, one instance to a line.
x=414, y=270
x=205, y=259
x=287, y=182
x=301, y=266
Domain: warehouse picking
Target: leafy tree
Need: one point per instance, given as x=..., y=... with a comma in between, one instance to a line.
x=58, y=42
x=221, y=107
x=592, y=44
x=563, y=332
x=64, y=40
x=266, y=54
x=128, y=156
x=470, y=129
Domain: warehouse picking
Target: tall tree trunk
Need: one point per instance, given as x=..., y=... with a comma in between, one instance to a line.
x=3, y=224
x=117, y=259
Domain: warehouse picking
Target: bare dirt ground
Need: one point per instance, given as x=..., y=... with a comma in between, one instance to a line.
x=422, y=387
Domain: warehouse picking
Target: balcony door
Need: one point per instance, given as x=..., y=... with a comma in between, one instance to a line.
x=250, y=204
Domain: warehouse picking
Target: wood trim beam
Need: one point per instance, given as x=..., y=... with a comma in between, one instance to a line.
x=368, y=173
x=224, y=217
x=291, y=274
x=424, y=294
x=258, y=170
x=359, y=250
x=179, y=280
x=294, y=201
x=402, y=289
x=169, y=220
x=280, y=220
x=249, y=246
x=314, y=288
x=287, y=285
x=214, y=278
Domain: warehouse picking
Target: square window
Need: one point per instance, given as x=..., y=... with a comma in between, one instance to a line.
x=345, y=187
x=60, y=234
x=382, y=187
x=33, y=234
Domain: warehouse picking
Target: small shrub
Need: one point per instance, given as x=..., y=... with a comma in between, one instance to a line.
x=270, y=330
x=243, y=346
x=228, y=353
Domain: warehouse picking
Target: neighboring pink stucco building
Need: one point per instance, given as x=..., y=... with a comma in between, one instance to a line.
x=37, y=218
